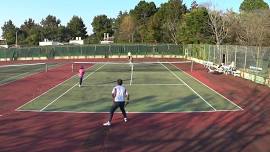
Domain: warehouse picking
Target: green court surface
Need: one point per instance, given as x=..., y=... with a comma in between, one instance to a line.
x=10, y=73
x=159, y=87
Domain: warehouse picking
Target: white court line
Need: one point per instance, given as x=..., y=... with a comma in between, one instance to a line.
x=87, y=112
x=153, y=84
x=209, y=87
x=109, y=85
x=71, y=88
x=131, y=75
x=177, y=62
x=188, y=86
x=48, y=90
x=22, y=110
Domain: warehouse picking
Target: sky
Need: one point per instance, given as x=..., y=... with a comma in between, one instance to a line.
x=20, y=10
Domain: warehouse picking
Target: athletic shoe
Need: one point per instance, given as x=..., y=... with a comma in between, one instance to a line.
x=79, y=85
x=125, y=119
x=107, y=124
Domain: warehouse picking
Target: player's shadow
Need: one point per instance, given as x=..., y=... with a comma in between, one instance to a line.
x=102, y=105
x=97, y=138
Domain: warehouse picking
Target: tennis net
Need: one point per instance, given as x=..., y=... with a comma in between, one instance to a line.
x=136, y=66
x=23, y=68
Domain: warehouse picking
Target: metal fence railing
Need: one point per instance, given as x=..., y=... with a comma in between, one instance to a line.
x=91, y=50
x=249, y=59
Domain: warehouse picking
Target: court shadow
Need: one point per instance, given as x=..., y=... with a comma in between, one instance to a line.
x=95, y=136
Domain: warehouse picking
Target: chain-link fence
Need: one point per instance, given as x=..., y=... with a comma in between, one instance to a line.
x=91, y=50
x=254, y=61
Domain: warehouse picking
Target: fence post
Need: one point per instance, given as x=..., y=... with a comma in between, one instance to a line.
x=235, y=53
x=245, y=63
x=204, y=53
x=95, y=51
x=257, y=62
x=257, y=59
x=214, y=54
x=81, y=50
x=220, y=49
x=208, y=52
x=124, y=50
x=227, y=54
x=109, y=53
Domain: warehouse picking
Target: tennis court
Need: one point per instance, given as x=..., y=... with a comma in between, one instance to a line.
x=159, y=87
x=10, y=73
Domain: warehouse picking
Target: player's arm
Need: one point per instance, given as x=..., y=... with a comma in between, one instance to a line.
x=127, y=102
x=127, y=95
x=113, y=94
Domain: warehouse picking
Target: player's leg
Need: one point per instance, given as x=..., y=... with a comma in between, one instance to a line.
x=122, y=108
x=113, y=108
x=81, y=78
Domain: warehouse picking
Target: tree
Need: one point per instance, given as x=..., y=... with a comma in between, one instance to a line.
x=155, y=31
x=76, y=27
x=127, y=29
x=29, y=33
x=254, y=28
x=50, y=27
x=63, y=34
x=218, y=23
x=9, y=32
x=251, y=5
x=233, y=27
x=117, y=23
x=34, y=36
x=142, y=13
x=91, y=39
x=194, y=5
x=170, y=15
x=194, y=28
x=102, y=24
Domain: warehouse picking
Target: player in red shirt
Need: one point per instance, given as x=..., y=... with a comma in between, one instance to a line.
x=81, y=74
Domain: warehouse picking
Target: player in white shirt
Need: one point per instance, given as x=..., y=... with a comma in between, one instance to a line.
x=129, y=55
x=119, y=93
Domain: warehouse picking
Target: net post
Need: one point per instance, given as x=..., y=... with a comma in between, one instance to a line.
x=46, y=67
x=72, y=67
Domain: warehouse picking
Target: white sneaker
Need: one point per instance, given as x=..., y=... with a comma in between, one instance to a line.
x=125, y=119
x=107, y=124
x=79, y=85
